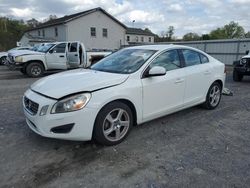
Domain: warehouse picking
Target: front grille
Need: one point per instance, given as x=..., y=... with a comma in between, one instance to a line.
x=31, y=106
x=248, y=63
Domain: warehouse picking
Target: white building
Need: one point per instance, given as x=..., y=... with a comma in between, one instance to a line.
x=96, y=28
x=136, y=36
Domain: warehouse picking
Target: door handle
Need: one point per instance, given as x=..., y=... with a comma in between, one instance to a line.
x=179, y=80
x=61, y=56
x=76, y=55
x=207, y=72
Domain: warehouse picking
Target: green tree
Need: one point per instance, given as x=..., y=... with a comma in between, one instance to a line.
x=10, y=32
x=234, y=30
x=218, y=33
x=148, y=30
x=229, y=31
x=191, y=37
x=205, y=37
x=247, y=35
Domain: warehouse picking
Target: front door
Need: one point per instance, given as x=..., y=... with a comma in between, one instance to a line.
x=56, y=57
x=73, y=55
x=164, y=94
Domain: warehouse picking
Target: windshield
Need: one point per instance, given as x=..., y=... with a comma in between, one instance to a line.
x=125, y=61
x=44, y=48
x=35, y=47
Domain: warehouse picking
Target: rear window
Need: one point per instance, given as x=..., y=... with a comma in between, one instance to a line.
x=204, y=58
x=191, y=57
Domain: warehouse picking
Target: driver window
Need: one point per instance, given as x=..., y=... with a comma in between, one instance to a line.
x=169, y=60
x=60, y=48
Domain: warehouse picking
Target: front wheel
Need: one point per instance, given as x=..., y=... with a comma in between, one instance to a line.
x=2, y=60
x=23, y=71
x=113, y=124
x=213, y=96
x=35, y=70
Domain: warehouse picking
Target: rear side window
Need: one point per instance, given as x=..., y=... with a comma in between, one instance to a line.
x=60, y=48
x=191, y=57
x=169, y=60
x=204, y=58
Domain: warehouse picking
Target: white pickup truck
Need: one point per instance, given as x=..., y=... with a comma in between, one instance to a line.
x=53, y=56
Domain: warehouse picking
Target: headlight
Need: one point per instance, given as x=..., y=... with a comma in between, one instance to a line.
x=243, y=61
x=72, y=103
x=19, y=59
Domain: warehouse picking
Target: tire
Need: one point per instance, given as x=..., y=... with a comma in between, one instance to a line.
x=2, y=60
x=113, y=124
x=213, y=96
x=35, y=70
x=237, y=77
x=23, y=71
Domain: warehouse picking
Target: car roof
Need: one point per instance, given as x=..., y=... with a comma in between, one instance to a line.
x=162, y=47
x=64, y=42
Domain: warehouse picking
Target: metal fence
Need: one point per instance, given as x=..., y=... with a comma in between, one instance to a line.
x=226, y=51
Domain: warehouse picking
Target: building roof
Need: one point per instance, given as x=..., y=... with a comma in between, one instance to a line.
x=139, y=31
x=68, y=18
x=37, y=38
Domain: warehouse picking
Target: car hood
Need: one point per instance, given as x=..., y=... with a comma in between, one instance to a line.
x=75, y=81
x=246, y=56
x=16, y=53
x=3, y=53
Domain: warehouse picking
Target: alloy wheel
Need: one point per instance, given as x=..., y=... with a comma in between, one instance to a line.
x=36, y=70
x=116, y=124
x=214, y=95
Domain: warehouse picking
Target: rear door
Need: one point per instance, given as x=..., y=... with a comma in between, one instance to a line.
x=56, y=57
x=163, y=94
x=73, y=55
x=198, y=76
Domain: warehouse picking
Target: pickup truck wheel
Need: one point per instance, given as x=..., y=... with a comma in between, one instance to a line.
x=237, y=77
x=113, y=124
x=34, y=70
x=213, y=96
x=23, y=71
x=2, y=60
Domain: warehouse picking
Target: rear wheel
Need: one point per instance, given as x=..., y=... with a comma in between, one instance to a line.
x=113, y=124
x=237, y=77
x=35, y=70
x=213, y=96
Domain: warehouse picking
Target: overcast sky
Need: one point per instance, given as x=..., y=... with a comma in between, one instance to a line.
x=200, y=16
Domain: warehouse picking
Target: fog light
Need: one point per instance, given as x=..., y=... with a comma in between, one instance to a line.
x=44, y=110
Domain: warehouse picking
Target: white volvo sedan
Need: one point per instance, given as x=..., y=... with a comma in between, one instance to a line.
x=129, y=87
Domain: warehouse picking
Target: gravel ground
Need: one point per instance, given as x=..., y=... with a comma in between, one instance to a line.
x=191, y=148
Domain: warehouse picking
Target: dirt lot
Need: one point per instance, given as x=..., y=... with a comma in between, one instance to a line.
x=191, y=148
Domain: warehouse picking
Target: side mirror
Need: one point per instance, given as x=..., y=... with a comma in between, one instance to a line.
x=156, y=71
x=51, y=51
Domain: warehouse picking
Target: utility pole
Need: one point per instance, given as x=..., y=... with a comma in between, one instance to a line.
x=5, y=25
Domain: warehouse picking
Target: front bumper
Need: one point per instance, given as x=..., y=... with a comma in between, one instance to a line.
x=14, y=65
x=82, y=120
x=243, y=70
